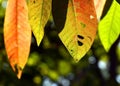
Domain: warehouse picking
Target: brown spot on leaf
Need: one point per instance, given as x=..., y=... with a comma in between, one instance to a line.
x=83, y=25
x=89, y=38
x=76, y=60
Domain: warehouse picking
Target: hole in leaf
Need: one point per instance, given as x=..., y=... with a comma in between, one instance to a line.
x=80, y=37
x=80, y=43
x=91, y=17
x=71, y=51
x=76, y=60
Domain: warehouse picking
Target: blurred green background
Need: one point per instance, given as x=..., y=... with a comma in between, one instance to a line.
x=50, y=64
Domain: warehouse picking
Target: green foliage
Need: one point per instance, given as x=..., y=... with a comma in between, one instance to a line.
x=109, y=29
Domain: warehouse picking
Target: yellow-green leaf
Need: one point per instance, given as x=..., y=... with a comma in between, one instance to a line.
x=80, y=27
x=109, y=26
x=17, y=34
x=39, y=12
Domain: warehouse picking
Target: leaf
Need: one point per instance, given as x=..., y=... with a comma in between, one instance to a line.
x=80, y=27
x=99, y=5
x=17, y=34
x=39, y=12
x=109, y=29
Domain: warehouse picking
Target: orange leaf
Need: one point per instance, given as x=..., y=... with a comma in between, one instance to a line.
x=80, y=27
x=17, y=34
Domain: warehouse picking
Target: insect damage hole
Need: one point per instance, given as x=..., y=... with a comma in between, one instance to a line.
x=76, y=60
x=80, y=37
x=80, y=43
x=91, y=17
x=71, y=51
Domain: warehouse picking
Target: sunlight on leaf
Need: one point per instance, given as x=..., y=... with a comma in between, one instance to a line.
x=80, y=27
x=17, y=34
x=99, y=5
x=39, y=13
x=109, y=29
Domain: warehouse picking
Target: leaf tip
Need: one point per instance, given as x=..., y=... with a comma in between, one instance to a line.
x=18, y=70
x=78, y=57
x=38, y=41
x=76, y=60
x=39, y=38
x=19, y=75
x=107, y=48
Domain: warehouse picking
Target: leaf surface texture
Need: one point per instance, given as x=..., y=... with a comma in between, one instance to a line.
x=17, y=34
x=109, y=28
x=39, y=12
x=99, y=5
x=80, y=27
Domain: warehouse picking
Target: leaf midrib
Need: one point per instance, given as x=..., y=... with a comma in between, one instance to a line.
x=17, y=4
